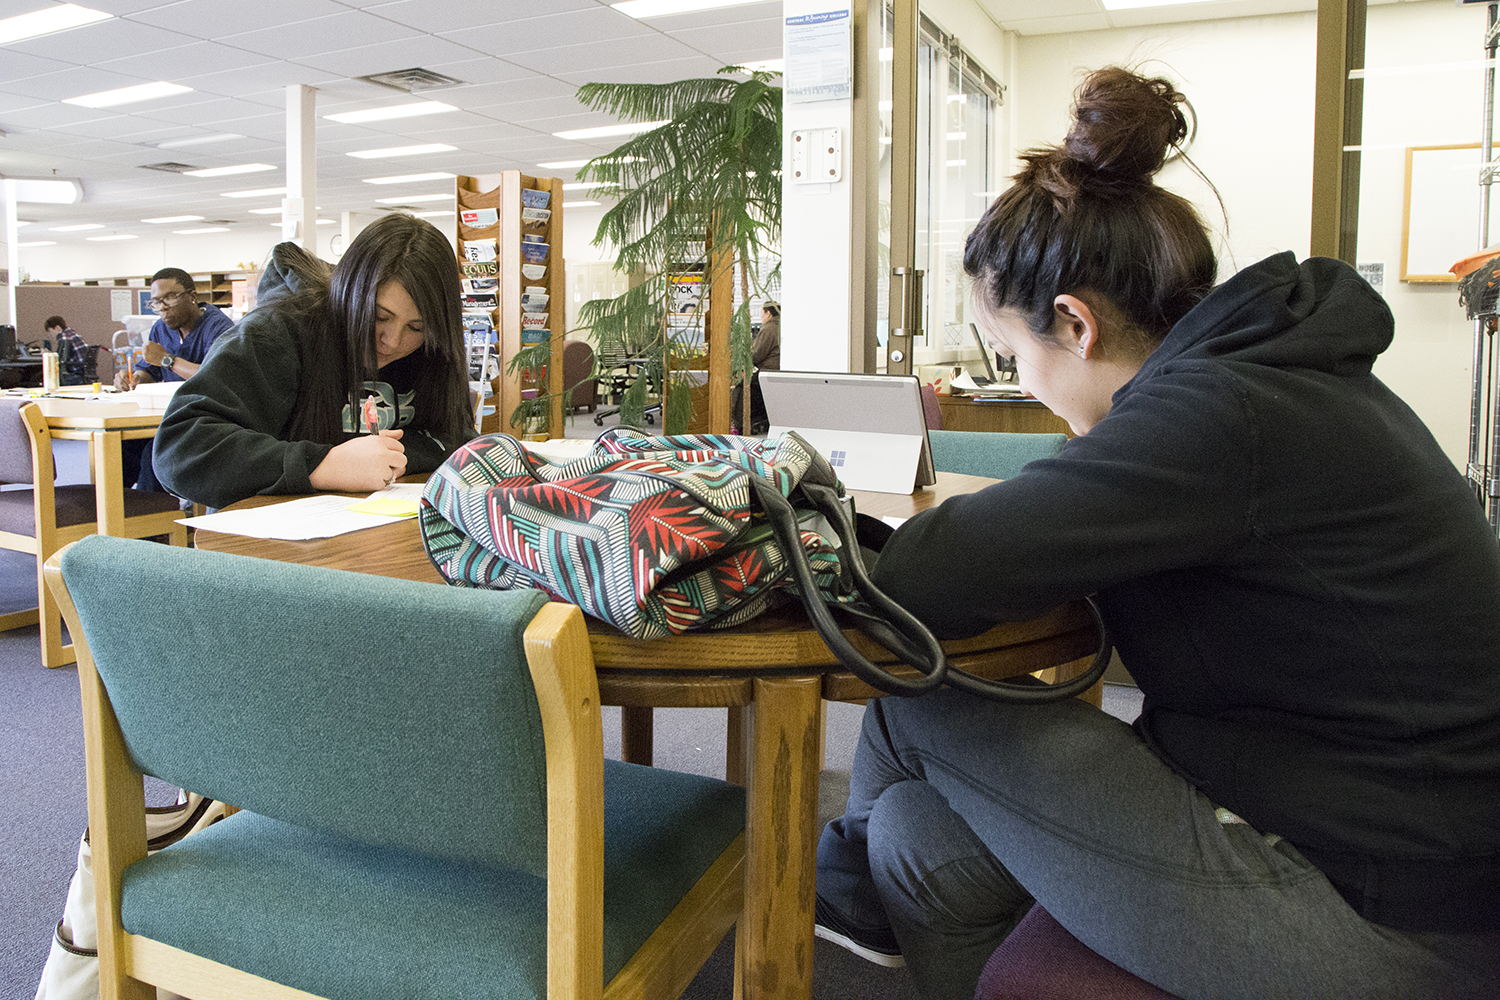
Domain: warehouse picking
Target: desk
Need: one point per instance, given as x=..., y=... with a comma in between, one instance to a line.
x=772, y=673
x=1028, y=416
x=104, y=425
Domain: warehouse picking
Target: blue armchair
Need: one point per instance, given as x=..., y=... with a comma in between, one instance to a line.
x=427, y=810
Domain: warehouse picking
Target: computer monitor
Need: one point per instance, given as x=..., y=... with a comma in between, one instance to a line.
x=871, y=428
x=7, y=341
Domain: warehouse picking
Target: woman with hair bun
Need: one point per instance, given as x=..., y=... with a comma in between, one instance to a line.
x=1297, y=577
x=335, y=381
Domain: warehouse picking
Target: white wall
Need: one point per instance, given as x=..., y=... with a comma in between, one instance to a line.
x=1251, y=81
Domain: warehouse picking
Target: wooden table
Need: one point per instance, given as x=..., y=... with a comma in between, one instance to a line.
x=773, y=674
x=104, y=424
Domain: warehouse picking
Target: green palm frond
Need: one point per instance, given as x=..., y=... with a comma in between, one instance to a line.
x=711, y=175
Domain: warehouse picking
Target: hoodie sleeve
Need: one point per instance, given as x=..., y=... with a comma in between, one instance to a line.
x=220, y=440
x=1163, y=482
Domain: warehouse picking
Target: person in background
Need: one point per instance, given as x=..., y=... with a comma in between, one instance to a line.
x=765, y=355
x=72, y=352
x=340, y=381
x=1298, y=578
x=175, y=348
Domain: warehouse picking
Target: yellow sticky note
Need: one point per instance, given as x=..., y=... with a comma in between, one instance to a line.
x=386, y=507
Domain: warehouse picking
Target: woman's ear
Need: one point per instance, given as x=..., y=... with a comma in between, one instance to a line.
x=1075, y=325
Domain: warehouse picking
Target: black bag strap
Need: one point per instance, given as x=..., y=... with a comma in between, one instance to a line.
x=895, y=628
x=931, y=664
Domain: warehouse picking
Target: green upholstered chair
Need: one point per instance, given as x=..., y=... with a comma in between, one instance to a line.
x=426, y=810
x=997, y=455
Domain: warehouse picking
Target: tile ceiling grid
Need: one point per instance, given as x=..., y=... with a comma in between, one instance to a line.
x=239, y=67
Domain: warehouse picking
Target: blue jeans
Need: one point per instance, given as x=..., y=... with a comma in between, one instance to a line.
x=962, y=812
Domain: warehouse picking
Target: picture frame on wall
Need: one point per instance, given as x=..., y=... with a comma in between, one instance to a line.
x=1440, y=214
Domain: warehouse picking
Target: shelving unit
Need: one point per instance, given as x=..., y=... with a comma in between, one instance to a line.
x=218, y=288
x=498, y=227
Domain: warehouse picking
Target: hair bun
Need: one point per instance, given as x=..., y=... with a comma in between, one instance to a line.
x=1124, y=125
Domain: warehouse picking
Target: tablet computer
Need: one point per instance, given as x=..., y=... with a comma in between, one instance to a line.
x=871, y=428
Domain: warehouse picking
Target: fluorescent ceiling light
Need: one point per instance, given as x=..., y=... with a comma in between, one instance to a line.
x=579, y=204
x=47, y=192
x=394, y=111
x=603, y=131
x=174, y=218
x=266, y=211
x=129, y=95
x=661, y=8
x=21, y=223
x=589, y=185
x=327, y=222
x=205, y=229
x=435, y=175
x=433, y=215
x=44, y=22
x=38, y=243
x=380, y=154
x=80, y=227
x=199, y=140
x=238, y=168
x=257, y=193
x=563, y=164
x=414, y=197
x=108, y=239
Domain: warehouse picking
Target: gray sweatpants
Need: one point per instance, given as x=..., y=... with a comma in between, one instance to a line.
x=961, y=812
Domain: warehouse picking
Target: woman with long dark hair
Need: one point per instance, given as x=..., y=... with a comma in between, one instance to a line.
x=338, y=381
x=1297, y=577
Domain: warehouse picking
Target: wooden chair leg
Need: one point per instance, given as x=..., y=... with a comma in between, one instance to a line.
x=55, y=653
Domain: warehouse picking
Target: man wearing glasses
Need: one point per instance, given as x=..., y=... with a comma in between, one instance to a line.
x=176, y=346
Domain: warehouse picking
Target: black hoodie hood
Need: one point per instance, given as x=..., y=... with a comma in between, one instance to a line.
x=1319, y=315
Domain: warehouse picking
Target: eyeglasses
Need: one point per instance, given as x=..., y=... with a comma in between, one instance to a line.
x=165, y=300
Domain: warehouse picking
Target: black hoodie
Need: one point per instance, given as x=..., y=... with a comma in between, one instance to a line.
x=225, y=435
x=1301, y=583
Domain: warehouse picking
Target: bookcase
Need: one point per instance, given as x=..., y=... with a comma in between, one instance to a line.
x=510, y=253
x=218, y=288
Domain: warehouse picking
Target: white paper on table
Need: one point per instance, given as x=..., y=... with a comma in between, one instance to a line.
x=966, y=382
x=297, y=520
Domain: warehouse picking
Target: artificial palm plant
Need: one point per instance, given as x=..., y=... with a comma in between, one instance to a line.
x=701, y=190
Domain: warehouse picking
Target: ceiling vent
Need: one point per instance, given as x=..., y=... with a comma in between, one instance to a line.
x=412, y=81
x=169, y=167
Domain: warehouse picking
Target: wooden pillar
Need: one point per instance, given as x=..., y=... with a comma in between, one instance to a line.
x=1338, y=109
x=720, y=291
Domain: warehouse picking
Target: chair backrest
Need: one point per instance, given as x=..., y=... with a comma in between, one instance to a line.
x=331, y=700
x=578, y=362
x=993, y=454
x=16, y=458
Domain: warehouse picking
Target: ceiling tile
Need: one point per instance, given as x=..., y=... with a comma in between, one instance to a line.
x=46, y=116
x=72, y=82
x=592, y=24
x=744, y=35
x=488, y=69
x=217, y=115
x=208, y=18
x=19, y=65
x=457, y=15
x=255, y=80
x=383, y=57
x=648, y=72
x=103, y=40
x=128, y=127
x=348, y=30
x=602, y=55
x=193, y=59
x=723, y=16
x=490, y=95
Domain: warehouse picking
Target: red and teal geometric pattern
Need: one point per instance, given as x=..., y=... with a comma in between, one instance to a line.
x=655, y=535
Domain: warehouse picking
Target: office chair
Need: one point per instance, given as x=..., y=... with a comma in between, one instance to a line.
x=46, y=517
x=1040, y=960
x=427, y=809
x=994, y=454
